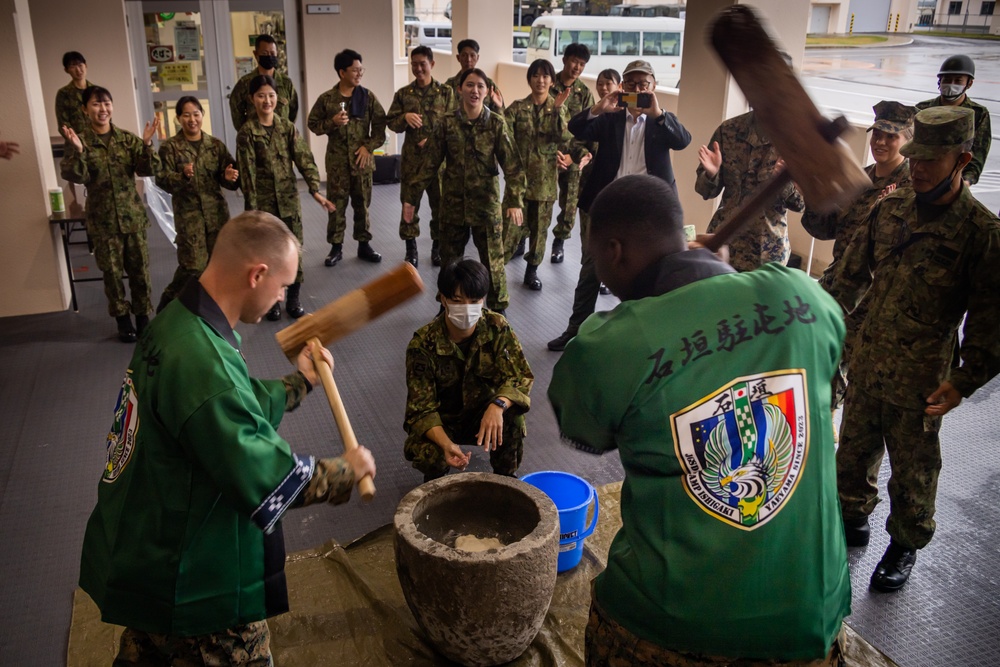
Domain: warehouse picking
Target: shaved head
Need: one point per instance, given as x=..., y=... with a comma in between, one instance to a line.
x=254, y=237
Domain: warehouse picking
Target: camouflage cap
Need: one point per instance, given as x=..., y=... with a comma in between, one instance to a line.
x=938, y=131
x=639, y=66
x=892, y=117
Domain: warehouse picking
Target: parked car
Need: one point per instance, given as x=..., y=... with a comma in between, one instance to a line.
x=436, y=35
x=520, y=52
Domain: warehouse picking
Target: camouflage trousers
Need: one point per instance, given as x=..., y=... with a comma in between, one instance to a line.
x=294, y=223
x=608, y=644
x=341, y=185
x=489, y=242
x=411, y=230
x=870, y=428
x=569, y=195
x=118, y=255
x=195, y=241
x=244, y=645
x=537, y=218
x=505, y=459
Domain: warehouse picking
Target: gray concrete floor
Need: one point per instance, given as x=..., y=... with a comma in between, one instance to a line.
x=61, y=372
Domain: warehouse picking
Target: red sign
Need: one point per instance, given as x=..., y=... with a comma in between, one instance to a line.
x=160, y=54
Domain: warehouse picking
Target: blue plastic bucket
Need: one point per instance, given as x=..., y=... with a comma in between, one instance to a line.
x=572, y=496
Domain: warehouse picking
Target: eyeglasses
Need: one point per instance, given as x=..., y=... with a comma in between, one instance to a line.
x=356, y=70
x=633, y=85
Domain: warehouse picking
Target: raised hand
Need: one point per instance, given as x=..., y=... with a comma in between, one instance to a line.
x=710, y=159
x=72, y=138
x=231, y=175
x=150, y=130
x=562, y=97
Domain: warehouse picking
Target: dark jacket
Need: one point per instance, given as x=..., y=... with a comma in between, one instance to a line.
x=662, y=135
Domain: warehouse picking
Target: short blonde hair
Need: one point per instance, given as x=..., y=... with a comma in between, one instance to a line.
x=255, y=236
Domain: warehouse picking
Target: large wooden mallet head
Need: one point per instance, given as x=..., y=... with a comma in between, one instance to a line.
x=821, y=165
x=352, y=311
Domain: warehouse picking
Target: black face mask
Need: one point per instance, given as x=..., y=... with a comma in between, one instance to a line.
x=267, y=62
x=938, y=190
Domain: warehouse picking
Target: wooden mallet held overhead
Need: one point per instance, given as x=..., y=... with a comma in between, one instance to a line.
x=340, y=318
x=820, y=164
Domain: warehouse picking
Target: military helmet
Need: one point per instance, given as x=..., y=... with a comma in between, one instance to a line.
x=958, y=65
x=938, y=131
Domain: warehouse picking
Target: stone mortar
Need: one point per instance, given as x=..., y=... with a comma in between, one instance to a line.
x=481, y=608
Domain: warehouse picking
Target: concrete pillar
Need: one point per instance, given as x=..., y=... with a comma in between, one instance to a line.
x=708, y=94
x=35, y=278
x=372, y=28
x=490, y=23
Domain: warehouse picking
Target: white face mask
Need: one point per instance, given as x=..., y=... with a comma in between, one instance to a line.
x=464, y=315
x=952, y=91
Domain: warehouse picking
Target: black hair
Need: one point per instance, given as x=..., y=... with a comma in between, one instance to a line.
x=610, y=74
x=641, y=206
x=96, y=91
x=264, y=39
x=473, y=70
x=187, y=99
x=470, y=43
x=543, y=65
x=425, y=51
x=72, y=58
x=262, y=80
x=467, y=274
x=345, y=59
x=577, y=50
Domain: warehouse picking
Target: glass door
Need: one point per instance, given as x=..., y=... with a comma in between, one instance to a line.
x=202, y=48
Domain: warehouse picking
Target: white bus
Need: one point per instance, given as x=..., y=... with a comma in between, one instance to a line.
x=614, y=41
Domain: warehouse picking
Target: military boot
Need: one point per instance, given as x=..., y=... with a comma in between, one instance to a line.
x=292, y=305
x=411, y=252
x=335, y=255
x=435, y=254
x=274, y=314
x=557, y=251
x=141, y=322
x=126, y=332
x=519, y=250
x=531, y=280
x=368, y=253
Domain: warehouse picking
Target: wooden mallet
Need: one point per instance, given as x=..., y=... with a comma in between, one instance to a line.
x=340, y=318
x=819, y=163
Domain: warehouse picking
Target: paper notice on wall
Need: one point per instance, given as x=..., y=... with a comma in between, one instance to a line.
x=176, y=73
x=244, y=65
x=187, y=42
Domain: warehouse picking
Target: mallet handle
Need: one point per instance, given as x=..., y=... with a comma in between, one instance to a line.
x=366, y=485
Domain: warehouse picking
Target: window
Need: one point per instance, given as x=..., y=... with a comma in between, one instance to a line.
x=619, y=43
x=567, y=37
x=661, y=43
x=954, y=8
x=986, y=9
x=444, y=32
x=540, y=38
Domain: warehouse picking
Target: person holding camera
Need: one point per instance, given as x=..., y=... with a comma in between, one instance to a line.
x=636, y=137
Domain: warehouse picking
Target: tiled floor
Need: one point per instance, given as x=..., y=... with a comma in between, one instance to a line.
x=61, y=373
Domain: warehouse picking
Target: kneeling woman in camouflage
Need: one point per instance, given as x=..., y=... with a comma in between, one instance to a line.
x=267, y=147
x=196, y=166
x=107, y=159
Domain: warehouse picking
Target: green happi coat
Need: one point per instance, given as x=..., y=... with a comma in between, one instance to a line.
x=719, y=404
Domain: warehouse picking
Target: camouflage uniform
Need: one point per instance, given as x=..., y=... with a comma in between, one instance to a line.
x=116, y=215
x=538, y=132
x=432, y=103
x=69, y=108
x=452, y=82
x=343, y=176
x=840, y=226
x=569, y=180
x=265, y=161
x=609, y=644
x=200, y=209
x=924, y=270
x=452, y=388
x=981, y=140
x=470, y=190
x=246, y=645
x=748, y=160
x=242, y=109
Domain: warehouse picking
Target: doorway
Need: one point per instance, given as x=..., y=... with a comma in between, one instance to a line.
x=202, y=48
